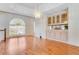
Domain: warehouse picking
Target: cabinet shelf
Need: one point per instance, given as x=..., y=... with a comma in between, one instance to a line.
x=58, y=24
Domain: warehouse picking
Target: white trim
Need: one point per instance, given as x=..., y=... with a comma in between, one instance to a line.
x=64, y=42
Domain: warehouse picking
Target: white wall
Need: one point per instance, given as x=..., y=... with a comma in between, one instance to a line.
x=5, y=19
x=1, y=36
x=40, y=27
x=74, y=24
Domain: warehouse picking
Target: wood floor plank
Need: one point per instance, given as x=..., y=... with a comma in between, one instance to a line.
x=36, y=46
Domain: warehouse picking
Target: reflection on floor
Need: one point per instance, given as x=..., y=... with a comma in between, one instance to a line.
x=35, y=46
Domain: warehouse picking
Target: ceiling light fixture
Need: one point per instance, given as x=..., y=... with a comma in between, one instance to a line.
x=37, y=13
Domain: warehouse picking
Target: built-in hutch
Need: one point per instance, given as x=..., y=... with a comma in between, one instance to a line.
x=59, y=20
x=58, y=26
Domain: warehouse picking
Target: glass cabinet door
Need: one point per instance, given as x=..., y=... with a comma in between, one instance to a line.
x=64, y=18
x=49, y=20
x=57, y=19
x=53, y=19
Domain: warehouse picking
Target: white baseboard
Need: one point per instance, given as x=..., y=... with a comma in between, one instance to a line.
x=65, y=42
x=39, y=36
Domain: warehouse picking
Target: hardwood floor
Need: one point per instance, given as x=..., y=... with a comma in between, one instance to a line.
x=35, y=46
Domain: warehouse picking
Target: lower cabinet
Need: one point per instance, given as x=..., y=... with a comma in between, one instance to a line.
x=60, y=35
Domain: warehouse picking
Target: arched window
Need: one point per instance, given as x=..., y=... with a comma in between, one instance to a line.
x=16, y=27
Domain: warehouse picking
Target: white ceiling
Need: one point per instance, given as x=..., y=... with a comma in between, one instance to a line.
x=27, y=8
x=29, y=5
x=42, y=6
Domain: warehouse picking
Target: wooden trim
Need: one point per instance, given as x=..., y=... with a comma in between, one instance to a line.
x=4, y=30
x=5, y=34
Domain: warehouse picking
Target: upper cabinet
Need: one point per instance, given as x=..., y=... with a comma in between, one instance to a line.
x=53, y=20
x=64, y=18
x=57, y=19
x=49, y=20
x=60, y=18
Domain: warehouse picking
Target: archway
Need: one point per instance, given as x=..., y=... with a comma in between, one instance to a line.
x=16, y=27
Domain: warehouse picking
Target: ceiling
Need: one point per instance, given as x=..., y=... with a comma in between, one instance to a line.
x=30, y=5
x=27, y=8
x=42, y=6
